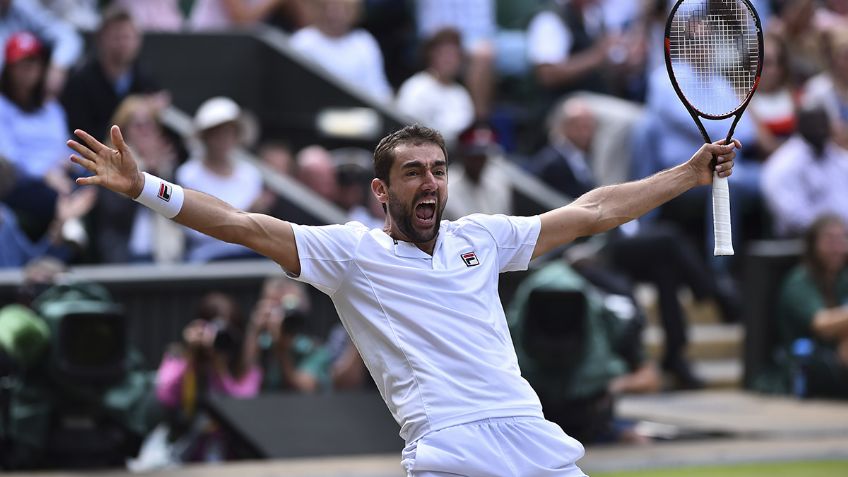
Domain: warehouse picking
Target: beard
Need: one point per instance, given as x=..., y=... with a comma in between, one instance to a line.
x=403, y=214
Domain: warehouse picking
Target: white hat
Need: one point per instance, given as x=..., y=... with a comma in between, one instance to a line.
x=215, y=112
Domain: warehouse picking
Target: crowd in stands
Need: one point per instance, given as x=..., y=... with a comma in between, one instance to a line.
x=573, y=92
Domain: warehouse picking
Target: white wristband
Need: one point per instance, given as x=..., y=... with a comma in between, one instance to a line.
x=161, y=196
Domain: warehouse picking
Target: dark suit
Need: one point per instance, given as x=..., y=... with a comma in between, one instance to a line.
x=90, y=98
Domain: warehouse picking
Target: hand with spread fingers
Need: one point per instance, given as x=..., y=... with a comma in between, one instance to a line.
x=114, y=169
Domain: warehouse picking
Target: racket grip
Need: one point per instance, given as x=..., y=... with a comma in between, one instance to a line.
x=721, y=216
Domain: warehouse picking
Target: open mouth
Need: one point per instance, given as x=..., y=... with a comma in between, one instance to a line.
x=425, y=213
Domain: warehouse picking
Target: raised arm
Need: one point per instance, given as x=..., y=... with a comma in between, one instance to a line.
x=607, y=207
x=116, y=170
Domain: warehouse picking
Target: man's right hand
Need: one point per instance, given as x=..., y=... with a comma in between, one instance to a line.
x=114, y=169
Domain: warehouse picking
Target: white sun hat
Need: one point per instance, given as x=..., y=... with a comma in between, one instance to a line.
x=215, y=112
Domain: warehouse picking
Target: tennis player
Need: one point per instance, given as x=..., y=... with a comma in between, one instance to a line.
x=420, y=297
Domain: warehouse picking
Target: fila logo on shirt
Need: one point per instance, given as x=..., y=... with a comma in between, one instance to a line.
x=470, y=259
x=164, y=192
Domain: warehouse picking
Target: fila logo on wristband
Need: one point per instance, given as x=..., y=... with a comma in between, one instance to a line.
x=161, y=196
x=165, y=192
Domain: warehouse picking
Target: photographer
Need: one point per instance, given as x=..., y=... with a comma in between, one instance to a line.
x=291, y=360
x=210, y=359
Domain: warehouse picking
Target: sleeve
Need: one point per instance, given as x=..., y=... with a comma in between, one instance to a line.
x=514, y=237
x=317, y=363
x=169, y=379
x=548, y=41
x=65, y=42
x=785, y=192
x=7, y=144
x=244, y=387
x=325, y=253
x=798, y=304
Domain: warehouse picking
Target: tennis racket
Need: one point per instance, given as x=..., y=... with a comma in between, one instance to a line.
x=714, y=56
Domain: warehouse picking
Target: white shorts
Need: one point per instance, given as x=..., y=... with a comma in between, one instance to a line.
x=499, y=447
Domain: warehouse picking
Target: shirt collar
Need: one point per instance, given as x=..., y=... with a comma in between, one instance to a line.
x=409, y=250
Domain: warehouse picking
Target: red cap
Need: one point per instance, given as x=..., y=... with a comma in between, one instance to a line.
x=21, y=45
x=478, y=140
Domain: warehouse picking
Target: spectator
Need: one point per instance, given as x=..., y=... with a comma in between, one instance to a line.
x=349, y=53
x=113, y=73
x=82, y=14
x=812, y=311
x=355, y=195
x=18, y=248
x=475, y=20
x=572, y=49
x=123, y=231
x=352, y=177
x=209, y=360
x=317, y=170
x=218, y=172
x=795, y=21
x=278, y=156
x=830, y=88
x=564, y=163
x=229, y=14
x=33, y=133
x=154, y=15
x=291, y=359
x=433, y=95
x=579, y=353
x=807, y=176
x=65, y=44
x=475, y=185
x=773, y=107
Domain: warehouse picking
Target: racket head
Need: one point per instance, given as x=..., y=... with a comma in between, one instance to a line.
x=714, y=55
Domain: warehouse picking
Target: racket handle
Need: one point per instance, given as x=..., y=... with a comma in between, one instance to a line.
x=721, y=216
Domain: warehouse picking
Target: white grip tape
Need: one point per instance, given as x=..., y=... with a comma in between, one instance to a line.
x=161, y=196
x=721, y=216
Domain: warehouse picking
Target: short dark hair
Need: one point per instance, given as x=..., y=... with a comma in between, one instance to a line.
x=37, y=98
x=815, y=267
x=442, y=36
x=416, y=135
x=114, y=14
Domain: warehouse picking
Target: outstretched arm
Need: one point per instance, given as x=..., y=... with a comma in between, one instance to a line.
x=116, y=170
x=607, y=207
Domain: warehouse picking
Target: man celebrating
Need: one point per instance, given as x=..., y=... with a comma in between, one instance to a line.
x=420, y=297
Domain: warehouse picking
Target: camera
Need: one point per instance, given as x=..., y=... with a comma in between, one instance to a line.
x=294, y=316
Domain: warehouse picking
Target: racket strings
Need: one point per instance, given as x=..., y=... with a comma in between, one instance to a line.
x=714, y=49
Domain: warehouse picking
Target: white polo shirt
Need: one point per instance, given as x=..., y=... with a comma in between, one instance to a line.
x=431, y=329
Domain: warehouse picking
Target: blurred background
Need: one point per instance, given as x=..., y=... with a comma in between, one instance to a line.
x=130, y=344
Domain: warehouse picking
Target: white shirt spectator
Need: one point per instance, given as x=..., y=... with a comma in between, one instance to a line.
x=798, y=187
x=240, y=189
x=430, y=329
x=549, y=41
x=355, y=58
x=447, y=108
